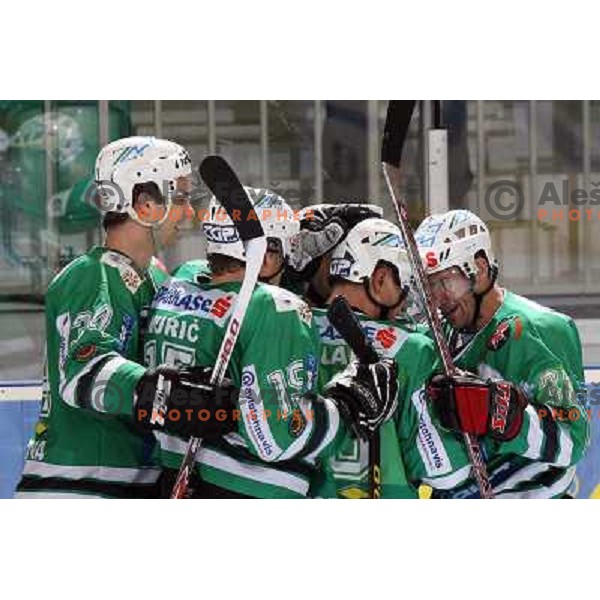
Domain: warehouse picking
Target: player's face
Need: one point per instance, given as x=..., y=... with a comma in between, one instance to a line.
x=271, y=269
x=390, y=292
x=451, y=294
x=179, y=215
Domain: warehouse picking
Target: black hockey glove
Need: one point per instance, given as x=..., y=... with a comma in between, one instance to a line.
x=366, y=395
x=309, y=245
x=467, y=404
x=184, y=402
x=353, y=214
x=322, y=228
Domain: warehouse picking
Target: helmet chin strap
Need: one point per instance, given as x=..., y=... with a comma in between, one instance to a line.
x=479, y=296
x=384, y=310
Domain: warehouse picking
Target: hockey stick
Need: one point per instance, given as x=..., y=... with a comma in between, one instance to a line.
x=224, y=184
x=342, y=317
x=390, y=158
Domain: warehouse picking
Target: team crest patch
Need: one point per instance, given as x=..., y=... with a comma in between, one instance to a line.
x=305, y=314
x=286, y=301
x=86, y=352
x=386, y=337
x=130, y=277
x=297, y=423
x=500, y=336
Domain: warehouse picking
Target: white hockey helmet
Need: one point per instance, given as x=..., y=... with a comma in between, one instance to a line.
x=452, y=239
x=140, y=159
x=275, y=215
x=367, y=243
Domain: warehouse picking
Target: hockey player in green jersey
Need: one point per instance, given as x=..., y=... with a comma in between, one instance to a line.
x=283, y=427
x=369, y=268
x=520, y=352
x=86, y=443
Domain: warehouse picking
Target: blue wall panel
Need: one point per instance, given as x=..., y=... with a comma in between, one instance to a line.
x=17, y=421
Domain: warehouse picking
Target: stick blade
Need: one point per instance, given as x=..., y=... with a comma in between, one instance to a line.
x=397, y=122
x=342, y=317
x=222, y=181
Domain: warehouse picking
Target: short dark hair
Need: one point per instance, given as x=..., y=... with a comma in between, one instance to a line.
x=220, y=263
x=114, y=218
x=111, y=219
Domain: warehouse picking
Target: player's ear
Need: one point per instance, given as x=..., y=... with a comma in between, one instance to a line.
x=482, y=265
x=378, y=278
x=147, y=208
x=483, y=269
x=271, y=264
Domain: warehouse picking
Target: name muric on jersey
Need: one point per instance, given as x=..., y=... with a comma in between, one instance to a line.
x=174, y=328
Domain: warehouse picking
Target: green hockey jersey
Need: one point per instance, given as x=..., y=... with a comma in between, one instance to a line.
x=281, y=430
x=414, y=449
x=540, y=350
x=85, y=442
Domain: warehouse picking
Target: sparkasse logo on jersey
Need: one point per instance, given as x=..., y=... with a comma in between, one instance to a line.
x=212, y=302
x=387, y=337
